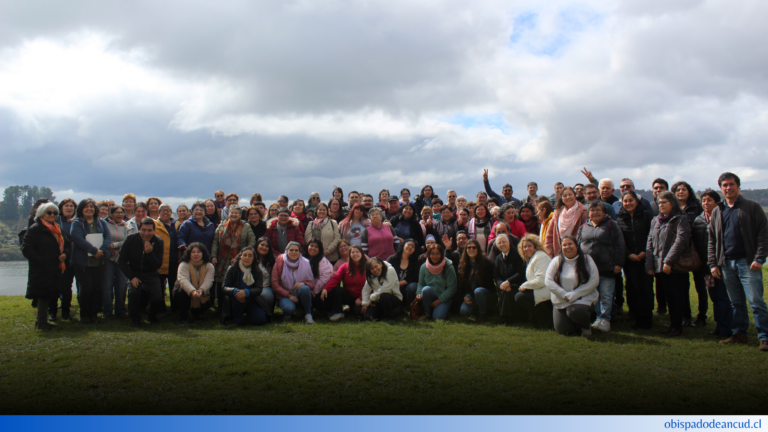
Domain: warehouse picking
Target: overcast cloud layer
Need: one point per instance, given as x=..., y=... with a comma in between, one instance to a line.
x=177, y=99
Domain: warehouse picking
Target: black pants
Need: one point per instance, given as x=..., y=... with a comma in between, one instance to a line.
x=701, y=291
x=169, y=280
x=675, y=286
x=661, y=296
x=65, y=293
x=542, y=312
x=342, y=297
x=618, y=296
x=572, y=319
x=509, y=309
x=184, y=304
x=323, y=305
x=387, y=307
x=148, y=289
x=639, y=292
x=90, y=279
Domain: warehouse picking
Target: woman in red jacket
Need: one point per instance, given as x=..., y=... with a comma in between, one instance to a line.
x=283, y=231
x=352, y=274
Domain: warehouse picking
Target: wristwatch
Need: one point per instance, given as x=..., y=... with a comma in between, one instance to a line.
x=760, y=260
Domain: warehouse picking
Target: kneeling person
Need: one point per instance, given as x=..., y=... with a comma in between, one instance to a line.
x=192, y=291
x=140, y=258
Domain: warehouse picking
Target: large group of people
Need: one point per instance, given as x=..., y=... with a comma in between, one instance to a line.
x=563, y=262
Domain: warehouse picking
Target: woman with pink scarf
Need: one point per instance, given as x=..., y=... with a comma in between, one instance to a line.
x=569, y=216
x=290, y=276
x=437, y=283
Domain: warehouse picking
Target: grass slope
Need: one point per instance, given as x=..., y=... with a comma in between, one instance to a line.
x=453, y=367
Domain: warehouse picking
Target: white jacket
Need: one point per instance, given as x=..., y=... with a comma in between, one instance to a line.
x=585, y=294
x=536, y=275
x=391, y=286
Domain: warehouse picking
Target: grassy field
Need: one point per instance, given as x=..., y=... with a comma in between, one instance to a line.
x=406, y=367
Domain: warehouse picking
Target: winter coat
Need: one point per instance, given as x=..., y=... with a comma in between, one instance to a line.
x=293, y=232
x=373, y=289
x=510, y=269
x=635, y=229
x=170, y=244
x=754, y=231
x=416, y=232
x=443, y=285
x=191, y=232
x=439, y=229
x=246, y=239
x=259, y=230
x=700, y=235
x=134, y=262
x=666, y=242
x=604, y=243
x=466, y=286
x=552, y=240
x=352, y=283
x=692, y=210
x=81, y=248
x=41, y=249
x=328, y=234
x=536, y=275
x=232, y=282
x=412, y=272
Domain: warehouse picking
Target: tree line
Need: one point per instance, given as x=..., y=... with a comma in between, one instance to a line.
x=18, y=200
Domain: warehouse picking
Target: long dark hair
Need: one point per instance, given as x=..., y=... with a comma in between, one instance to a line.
x=187, y=257
x=530, y=207
x=354, y=268
x=314, y=262
x=80, y=207
x=581, y=263
x=268, y=260
x=482, y=265
x=369, y=275
x=399, y=254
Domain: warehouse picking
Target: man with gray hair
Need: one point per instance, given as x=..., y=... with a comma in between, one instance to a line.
x=605, y=186
x=627, y=185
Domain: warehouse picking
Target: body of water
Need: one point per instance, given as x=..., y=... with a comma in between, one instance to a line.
x=13, y=278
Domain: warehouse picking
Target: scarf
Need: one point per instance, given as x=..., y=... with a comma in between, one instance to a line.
x=664, y=219
x=247, y=275
x=567, y=218
x=196, y=277
x=56, y=231
x=320, y=222
x=300, y=216
x=435, y=269
x=531, y=226
x=229, y=242
x=293, y=272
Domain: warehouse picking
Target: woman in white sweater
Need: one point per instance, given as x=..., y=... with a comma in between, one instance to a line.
x=572, y=279
x=194, y=282
x=381, y=291
x=533, y=295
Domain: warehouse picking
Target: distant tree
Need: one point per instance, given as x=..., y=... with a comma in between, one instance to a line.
x=18, y=200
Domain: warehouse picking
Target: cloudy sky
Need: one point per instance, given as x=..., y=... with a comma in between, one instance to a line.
x=179, y=98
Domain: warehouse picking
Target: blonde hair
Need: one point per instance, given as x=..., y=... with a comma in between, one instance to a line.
x=534, y=239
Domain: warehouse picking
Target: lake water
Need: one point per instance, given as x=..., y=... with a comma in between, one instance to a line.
x=13, y=278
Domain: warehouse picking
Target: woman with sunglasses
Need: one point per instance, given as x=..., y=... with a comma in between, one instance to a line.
x=314, y=200
x=47, y=250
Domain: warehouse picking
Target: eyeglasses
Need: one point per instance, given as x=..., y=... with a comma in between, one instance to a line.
x=197, y=209
x=52, y=213
x=219, y=195
x=622, y=187
x=471, y=247
x=662, y=202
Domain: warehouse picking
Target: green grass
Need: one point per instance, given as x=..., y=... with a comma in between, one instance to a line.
x=453, y=367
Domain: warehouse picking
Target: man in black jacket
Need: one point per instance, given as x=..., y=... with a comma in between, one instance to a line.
x=738, y=245
x=140, y=257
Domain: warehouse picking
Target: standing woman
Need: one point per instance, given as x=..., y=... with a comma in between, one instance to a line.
x=568, y=218
x=140, y=212
x=336, y=209
x=480, y=226
x=406, y=265
x=381, y=291
x=197, y=229
x=601, y=238
x=346, y=285
x=533, y=294
x=572, y=279
x=529, y=218
x=721, y=303
x=289, y=282
x=192, y=290
x=354, y=225
x=67, y=208
x=424, y=199
x=509, y=273
x=154, y=204
x=378, y=240
x=47, y=250
x=405, y=197
x=88, y=260
x=129, y=205
x=476, y=287
x=272, y=212
x=243, y=287
x=437, y=284
x=545, y=213
x=343, y=251
x=229, y=239
x=212, y=212
x=165, y=228
x=339, y=195
x=115, y=284
x=635, y=223
x=298, y=212
x=182, y=213
x=254, y=218
x=326, y=230
x=691, y=206
x=669, y=237
x=406, y=225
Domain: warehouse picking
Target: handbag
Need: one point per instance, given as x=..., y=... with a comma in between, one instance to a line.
x=689, y=261
x=417, y=310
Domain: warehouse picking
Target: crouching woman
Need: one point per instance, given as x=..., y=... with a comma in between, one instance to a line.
x=242, y=286
x=572, y=278
x=192, y=292
x=381, y=291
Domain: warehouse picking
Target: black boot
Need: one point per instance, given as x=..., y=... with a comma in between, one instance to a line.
x=700, y=322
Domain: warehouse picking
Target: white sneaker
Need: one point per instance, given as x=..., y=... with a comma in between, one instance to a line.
x=308, y=319
x=586, y=332
x=336, y=316
x=605, y=326
x=596, y=324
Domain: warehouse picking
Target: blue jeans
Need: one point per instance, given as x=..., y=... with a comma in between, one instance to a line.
x=722, y=309
x=269, y=296
x=409, y=294
x=305, y=299
x=114, y=283
x=745, y=285
x=604, y=304
x=479, y=304
x=256, y=315
x=427, y=297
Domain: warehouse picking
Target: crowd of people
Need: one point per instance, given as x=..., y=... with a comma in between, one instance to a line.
x=566, y=262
